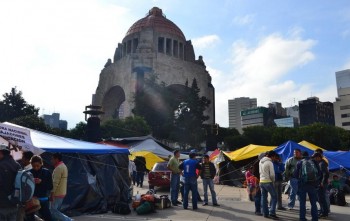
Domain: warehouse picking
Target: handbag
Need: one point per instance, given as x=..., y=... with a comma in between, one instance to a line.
x=32, y=206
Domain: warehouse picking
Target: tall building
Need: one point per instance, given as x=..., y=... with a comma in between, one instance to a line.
x=286, y=122
x=235, y=107
x=152, y=45
x=312, y=110
x=293, y=112
x=254, y=117
x=54, y=121
x=342, y=103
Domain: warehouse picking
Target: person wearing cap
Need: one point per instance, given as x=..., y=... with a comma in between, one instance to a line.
x=173, y=166
x=189, y=168
x=8, y=171
x=289, y=176
x=322, y=194
x=267, y=178
x=307, y=187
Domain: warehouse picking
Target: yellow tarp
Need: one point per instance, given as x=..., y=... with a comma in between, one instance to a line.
x=150, y=157
x=310, y=145
x=248, y=151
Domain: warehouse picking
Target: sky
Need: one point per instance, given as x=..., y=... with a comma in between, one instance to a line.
x=272, y=50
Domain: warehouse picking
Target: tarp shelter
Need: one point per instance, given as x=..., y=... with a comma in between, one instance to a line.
x=89, y=165
x=286, y=150
x=214, y=154
x=310, y=145
x=337, y=160
x=151, y=158
x=152, y=146
x=248, y=152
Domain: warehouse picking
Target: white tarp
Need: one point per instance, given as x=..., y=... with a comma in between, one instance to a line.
x=152, y=146
x=39, y=142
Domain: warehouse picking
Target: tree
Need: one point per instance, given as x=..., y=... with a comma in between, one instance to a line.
x=189, y=116
x=129, y=127
x=32, y=122
x=79, y=131
x=14, y=105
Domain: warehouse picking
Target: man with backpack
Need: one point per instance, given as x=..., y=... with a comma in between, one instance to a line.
x=289, y=176
x=308, y=172
x=8, y=171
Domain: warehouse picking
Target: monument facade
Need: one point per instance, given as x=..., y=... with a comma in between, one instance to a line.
x=152, y=45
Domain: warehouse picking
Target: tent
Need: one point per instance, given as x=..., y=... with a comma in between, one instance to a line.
x=151, y=158
x=336, y=159
x=88, y=164
x=286, y=150
x=214, y=154
x=152, y=146
x=248, y=152
x=310, y=145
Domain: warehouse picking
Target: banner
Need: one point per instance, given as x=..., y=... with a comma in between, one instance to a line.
x=18, y=137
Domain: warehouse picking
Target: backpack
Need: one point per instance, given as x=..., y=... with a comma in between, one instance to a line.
x=340, y=198
x=145, y=208
x=121, y=208
x=332, y=194
x=309, y=172
x=24, y=187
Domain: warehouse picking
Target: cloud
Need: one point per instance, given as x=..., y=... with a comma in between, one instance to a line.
x=205, y=41
x=54, y=51
x=245, y=20
x=263, y=72
x=347, y=65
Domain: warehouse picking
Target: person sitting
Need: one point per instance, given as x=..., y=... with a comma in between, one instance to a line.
x=335, y=183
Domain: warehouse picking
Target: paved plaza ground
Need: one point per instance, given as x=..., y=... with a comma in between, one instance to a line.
x=234, y=205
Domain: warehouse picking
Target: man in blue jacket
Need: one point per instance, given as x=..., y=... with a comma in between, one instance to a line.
x=189, y=168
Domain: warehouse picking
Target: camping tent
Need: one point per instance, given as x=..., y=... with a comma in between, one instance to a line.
x=310, y=145
x=248, y=152
x=286, y=150
x=337, y=160
x=151, y=158
x=88, y=163
x=152, y=146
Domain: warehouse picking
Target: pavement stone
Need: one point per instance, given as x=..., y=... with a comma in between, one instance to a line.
x=234, y=205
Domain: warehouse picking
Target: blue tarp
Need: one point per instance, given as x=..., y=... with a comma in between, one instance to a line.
x=286, y=150
x=39, y=142
x=337, y=160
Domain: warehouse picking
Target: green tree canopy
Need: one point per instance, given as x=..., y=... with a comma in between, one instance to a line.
x=14, y=105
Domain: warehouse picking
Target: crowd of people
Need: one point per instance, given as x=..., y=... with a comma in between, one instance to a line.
x=50, y=189
x=305, y=176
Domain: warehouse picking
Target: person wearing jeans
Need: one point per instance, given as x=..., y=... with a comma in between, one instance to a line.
x=59, y=191
x=307, y=187
x=267, y=177
x=189, y=168
x=289, y=175
x=173, y=166
x=207, y=174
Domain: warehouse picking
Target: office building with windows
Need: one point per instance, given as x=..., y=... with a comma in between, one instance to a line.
x=342, y=103
x=312, y=110
x=235, y=107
